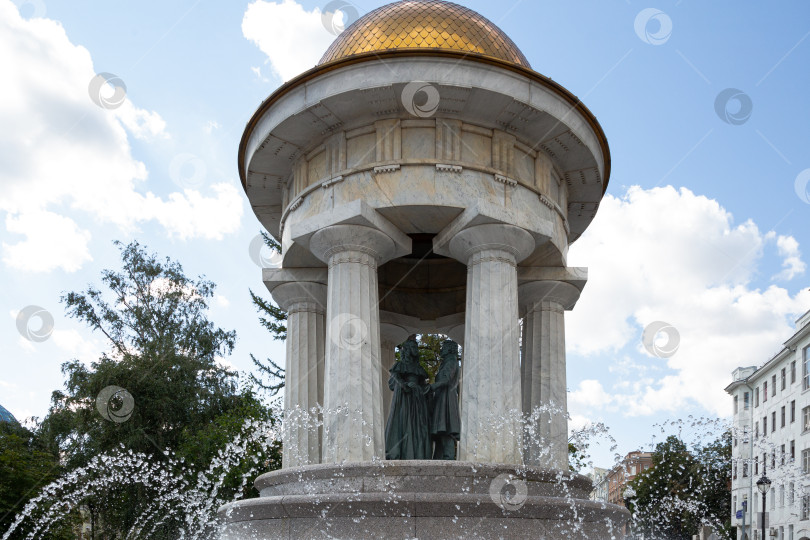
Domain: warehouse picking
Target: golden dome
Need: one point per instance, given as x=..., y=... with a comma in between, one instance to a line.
x=424, y=24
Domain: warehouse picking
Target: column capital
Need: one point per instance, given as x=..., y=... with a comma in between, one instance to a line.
x=358, y=238
x=533, y=294
x=310, y=233
x=287, y=295
x=508, y=239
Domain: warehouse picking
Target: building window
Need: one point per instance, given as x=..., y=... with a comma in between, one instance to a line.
x=792, y=411
x=745, y=469
x=756, y=466
x=793, y=372
x=791, y=493
x=734, y=503
x=756, y=430
x=734, y=471
x=783, y=454
x=806, y=368
x=773, y=385
x=792, y=450
x=764, y=426
x=773, y=459
x=746, y=401
x=756, y=397
x=784, y=378
x=735, y=404
x=805, y=508
x=773, y=421
x=806, y=419
x=783, y=416
x=765, y=391
x=805, y=461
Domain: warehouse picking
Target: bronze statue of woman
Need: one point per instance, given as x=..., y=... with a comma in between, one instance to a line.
x=407, y=430
x=445, y=423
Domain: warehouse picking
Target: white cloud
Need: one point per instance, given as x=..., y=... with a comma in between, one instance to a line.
x=293, y=39
x=589, y=394
x=792, y=258
x=210, y=126
x=52, y=241
x=670, y=255
x=76, y=347
x=63, y=154
x=141, y=123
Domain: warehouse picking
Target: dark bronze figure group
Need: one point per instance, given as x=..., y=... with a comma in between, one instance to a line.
x=424, y=421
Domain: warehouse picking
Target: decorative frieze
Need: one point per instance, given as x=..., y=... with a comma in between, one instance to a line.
x=504, y=180
x=387, y=168
x=503, y=153
x=335, y=149
x=448, y=140
x=389, y=140
x=331, y=182
x=448, y=168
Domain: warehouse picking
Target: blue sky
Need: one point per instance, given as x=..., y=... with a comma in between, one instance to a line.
x=702, y=225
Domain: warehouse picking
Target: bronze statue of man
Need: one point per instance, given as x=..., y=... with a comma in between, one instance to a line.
x=407, y=430
x=445, y=424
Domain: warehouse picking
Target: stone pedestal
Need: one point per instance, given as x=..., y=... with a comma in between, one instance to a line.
x=353, y=412
x=543, y=371
x=305, y=304
x=422, y=499
x=490, y=413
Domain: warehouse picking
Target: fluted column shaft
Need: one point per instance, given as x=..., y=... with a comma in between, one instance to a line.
x=544, y=386
x=490, y=410
x=305, y=304
x=353, y=412
x=543, y=372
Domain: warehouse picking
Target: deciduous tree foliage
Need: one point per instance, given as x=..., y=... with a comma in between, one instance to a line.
x=164, y=351
x=685, y=489
x=26, y=464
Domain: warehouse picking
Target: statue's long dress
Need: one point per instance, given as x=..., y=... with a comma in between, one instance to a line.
x=407, y=430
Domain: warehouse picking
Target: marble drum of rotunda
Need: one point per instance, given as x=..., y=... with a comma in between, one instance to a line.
x=423, y=178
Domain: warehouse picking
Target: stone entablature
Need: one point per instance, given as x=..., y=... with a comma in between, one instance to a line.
x=501, y=130
x=388, y=145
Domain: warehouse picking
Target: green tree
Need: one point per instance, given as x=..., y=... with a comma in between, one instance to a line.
x=26, y=464
x=683, y=490
x=164, y=352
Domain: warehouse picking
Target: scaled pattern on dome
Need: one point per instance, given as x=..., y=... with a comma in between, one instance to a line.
x=425, y=24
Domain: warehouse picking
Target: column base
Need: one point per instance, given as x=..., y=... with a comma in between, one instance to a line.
x=422, y=499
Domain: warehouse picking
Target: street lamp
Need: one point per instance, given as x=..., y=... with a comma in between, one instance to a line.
x=763, y=485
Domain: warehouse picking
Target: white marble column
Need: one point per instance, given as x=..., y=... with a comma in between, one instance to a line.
x=543, y=371
x=490, y=411
x=353, y=412
x=391, y=335
x=305, y=304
